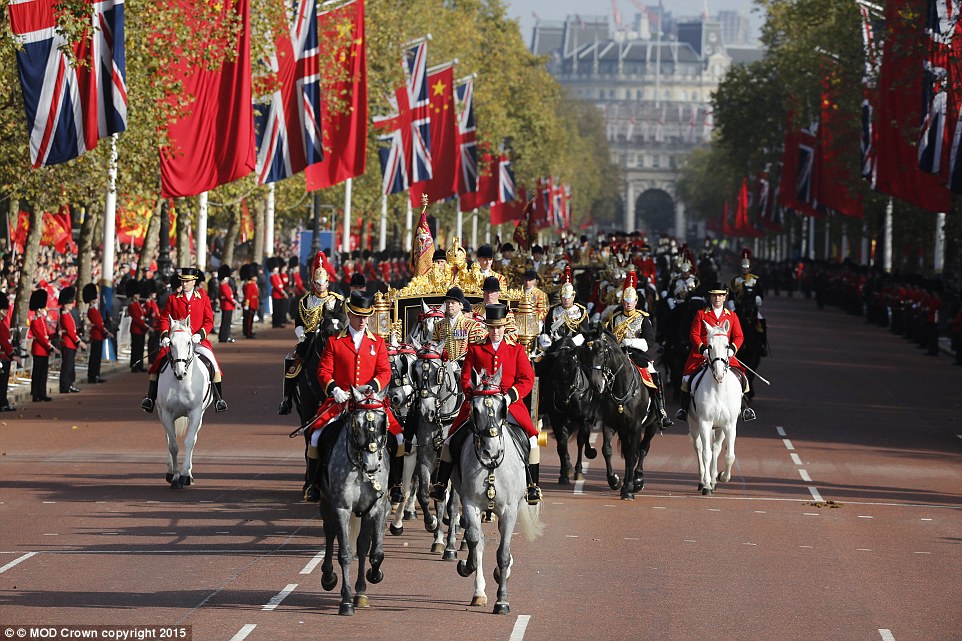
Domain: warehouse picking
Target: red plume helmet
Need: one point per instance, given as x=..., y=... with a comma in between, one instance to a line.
x=567, y=287
x=630, y=290
x=746, y=252
x=567, y=275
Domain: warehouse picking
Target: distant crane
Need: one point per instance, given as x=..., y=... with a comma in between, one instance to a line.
x=616, y=12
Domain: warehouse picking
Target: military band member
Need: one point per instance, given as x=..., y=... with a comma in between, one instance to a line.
x=138, y=327
x=312, y=309
x=193, y=304
x=228, y=303
x=565, y=319
x=248, y=274
x=538, y=298
x=70, y=341
x=746, y=288
x=633, y=329
x=497, y=352
x=457, y=328
x=278, y=293
x=8, y=355
x=41, y=348
x=715, y=315
x=98, y=333
x=684, y=284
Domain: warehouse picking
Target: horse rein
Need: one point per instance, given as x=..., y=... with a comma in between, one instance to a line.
x=354, y=448
x=185, y=361
x=486, y=390
x=610, y=377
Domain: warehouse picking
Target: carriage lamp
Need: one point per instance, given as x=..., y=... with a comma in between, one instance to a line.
x=527, y=321
x=382, y=316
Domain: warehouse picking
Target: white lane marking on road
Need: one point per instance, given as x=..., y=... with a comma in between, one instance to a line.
x=923, y=553
x=796, y=459
x=805, y=476
x=17, y=561
x=631, y=538
x=788, y=444
x=811, y=514
x=781, y=431
x=863, y=549
x=714, y=509
x=807, y=547
x=659, y=507
x=571, y=536
x=815, y=495
x=49, y=502
x=313, y=563
x=926, y=519
x=690, y=541
x=749, y=543
x=280, y=596
x=243, y=632
x=50, y=534
x=959, y=435
x=886, y=634
x=760, y=512
x=517, y=634
x=865, y=516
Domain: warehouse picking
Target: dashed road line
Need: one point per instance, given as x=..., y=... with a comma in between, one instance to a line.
x=17, y=561
x=280, y=596
x=243, y=632
x=804, y=474
x=313, y=563
x=796, y=459
x=781, y=431
x=815, y=495
x=886, y=634
x=517, y=633
x=788, y=444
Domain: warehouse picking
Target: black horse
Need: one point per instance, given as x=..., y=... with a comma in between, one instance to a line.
x=567, y=399
x=625, y=407
x=674, y=328
x=755, y=344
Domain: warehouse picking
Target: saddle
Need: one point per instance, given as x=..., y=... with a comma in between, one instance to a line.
x=646, y=377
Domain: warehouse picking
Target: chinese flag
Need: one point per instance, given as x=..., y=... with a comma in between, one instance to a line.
x=445, y=153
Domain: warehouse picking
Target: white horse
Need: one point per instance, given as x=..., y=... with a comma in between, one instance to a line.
x=716, y=403
x=423, y=332
x=183, y=394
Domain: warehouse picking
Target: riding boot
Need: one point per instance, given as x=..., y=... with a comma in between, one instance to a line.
x=148, y=403
x=312, y=494
x=440, y=486
x=395, y=470
x=660, y=402
x=534, y=492
x=289, y=385
x=220, y=405
x=748, y=414
x=682, y=414
x=411, y=428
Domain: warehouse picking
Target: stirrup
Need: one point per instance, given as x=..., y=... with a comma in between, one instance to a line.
x=438, y=492
x=681, y=415
x=147, y=405
x=220, y=405
x=534, y=494
x=748, y=414
x=666, y=422
x=312, y=494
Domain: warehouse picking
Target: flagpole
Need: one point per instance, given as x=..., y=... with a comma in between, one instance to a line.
x=202, y=231
x=474, y=228
x=382, y=240
x=269, y=223
x=110, y=222
x=408, y=221
x=939, y=260
x=460, y=219
x=887, y=256
x=346, y=237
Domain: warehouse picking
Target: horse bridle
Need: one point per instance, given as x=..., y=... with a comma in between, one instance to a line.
x=400, y=379
x=487, y=391
x=186, y=361
x=368, y=406
x=579, y=386
x=610, y=377
x=430, y=354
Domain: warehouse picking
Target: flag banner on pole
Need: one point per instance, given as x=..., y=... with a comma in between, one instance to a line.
x=510, y=203
x=524, y=230
x=467, y=137
x=70, y=108
x=445, y=153
x=288, y=128
x=487, y=187
x=343, y=97
x=422, y=248
x=214, y=143
x=836, y=165
x=56, y=231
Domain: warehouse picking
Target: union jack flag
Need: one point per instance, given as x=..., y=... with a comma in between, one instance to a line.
x=468, y=136
x=507, y=192
x=69, y=109
x=406, y=157
x=288, y=129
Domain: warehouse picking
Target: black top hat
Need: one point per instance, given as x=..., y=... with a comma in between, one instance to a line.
x=530, y=274
x=439, y=254
x=485, y=251
x=223, y=272
x=189, y=273
x=4, y=301
x=89, y=293
x=131, y=288
x=38, y=299
x=360, y=304
x=455, y=293
x=718, y=287
x=293, y=262
x=491, y=284
x=358, y=280
x=496, y=315
x=67, y=296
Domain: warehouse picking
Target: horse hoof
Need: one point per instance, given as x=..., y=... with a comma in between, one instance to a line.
x=701, y=486
x=347, y=609
x=328, y=581
x=409, y=515
x=360, y=601
x=564, y=480
x=706, y=491
x=590, y=453
x=186, y=480
x=479, y=601
x=446, y=520
x=169, y=477
x=502, y=608
x=449, y=555
x=464, y=571
x=614, y=481
x=397, y=530
x=175, y=485
x=430, y=523
x=579, y=476
x=374, y=576
x=627, y=496
x=437, y=548
x=463, y=546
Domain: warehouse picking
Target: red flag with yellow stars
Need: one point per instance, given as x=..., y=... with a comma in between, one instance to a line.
x=445, y=150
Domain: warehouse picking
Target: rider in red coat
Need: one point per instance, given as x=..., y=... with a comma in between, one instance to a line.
x=194, y=304
x=517, y=380
x=715, y=315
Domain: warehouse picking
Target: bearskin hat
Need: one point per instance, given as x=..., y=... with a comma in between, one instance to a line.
x=245, y=272
x=67, y=295
x=224, y=271
x=38, y=299
x=293, y=262
x=89, y=293
x=146, y=287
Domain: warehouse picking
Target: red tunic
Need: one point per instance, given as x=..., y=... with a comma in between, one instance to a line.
x=343, y=366
x=6, y=347
x=251, y=294
x=41, y=338
x=68, y=331
x=97, y=330
x=178, y=307
x=227, y=297
x=699, y=335
x=299, y=285
x=277, y=287
x=516, y=374
x=138, y=321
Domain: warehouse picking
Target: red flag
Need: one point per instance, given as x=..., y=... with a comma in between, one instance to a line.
x=506, y=212
x=132, y=221
x=345, y=132
x=487, y=191
x=726, y=228
x=246, y=223
x=214, y=143
x=900, y=108
x=445, y=152
x=832, y=174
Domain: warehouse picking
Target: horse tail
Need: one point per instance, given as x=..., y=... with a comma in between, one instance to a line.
x=529, y=518
x=180, y=426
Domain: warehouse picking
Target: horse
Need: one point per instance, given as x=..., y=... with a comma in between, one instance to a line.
x=755, y=343
x=183, y=394
x=492, y=479
x=625, y=407
x=423, y=332
x=401, y=392
x=437, y=382
x=569, y=404
x=715, y=407
x=674, y=328
x=353, y=504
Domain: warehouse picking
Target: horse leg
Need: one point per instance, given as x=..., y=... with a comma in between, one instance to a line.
x=506, y=521
x=584, y=440
x=473, y=535
x=345, y=553
x=375, y=574
x=363, y=548
x=631, y=461
x=172, y=448
x=613, y=481
x=328, y=578
x=726, y=475
x=718, y=435
x=561, y=438
x=582, y=447
x=453, y=510
x=196, y=419
x=397, y=523
x=424, y=468
x=704, y=449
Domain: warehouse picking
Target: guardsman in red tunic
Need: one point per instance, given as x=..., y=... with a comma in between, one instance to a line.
x=138, y=326
x=248, y=274
x=97, y=331
x=194, y=304
x=278, y=293
x=228, y=303
x=70, y=342
x=498, y=352
x=356, y=357
x=41, y=347
x=8, y=354
x=715, y=315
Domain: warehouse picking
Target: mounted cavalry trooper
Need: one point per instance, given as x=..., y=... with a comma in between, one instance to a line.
x=517, y=378
x=457, y=328
x=636, y=335
x=566, y=318
x=192, y=304
x=356, y=357
x=746, y=288
x=312, y=309
x=715, y=315
x=682, y=286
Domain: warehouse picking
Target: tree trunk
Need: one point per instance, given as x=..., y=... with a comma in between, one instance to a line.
x=233, y=229
x=31, y=252
x=85, y=251
x=183, y=232
x=151, y=238
x=260, y=230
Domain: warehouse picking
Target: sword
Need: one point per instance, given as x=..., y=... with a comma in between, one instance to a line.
x=757, y=375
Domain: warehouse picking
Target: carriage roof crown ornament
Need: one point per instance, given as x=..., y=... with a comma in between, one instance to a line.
x=457, y=257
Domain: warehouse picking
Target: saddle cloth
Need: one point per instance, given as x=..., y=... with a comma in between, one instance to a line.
x=646, y=377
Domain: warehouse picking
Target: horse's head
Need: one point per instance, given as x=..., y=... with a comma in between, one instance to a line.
x=428, y=374
x=719, y=349
x=489, y=414
x=181, y=347
x=597, y=355
x=427, y=319
x=401, y=389
x=368, y=429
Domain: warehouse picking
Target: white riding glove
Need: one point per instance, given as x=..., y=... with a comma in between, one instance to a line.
x=758, y=301
x=730, y=305
x=578, y=339
x=339, y=395
x=636, y=343
x=196, y=339
x=299, y=332
x=336, y=323
x=544, y=341
x=730, y=350
x=165, y=341
x=671, y=303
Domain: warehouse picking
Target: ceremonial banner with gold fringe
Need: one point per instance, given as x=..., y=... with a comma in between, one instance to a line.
x=422, y=249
